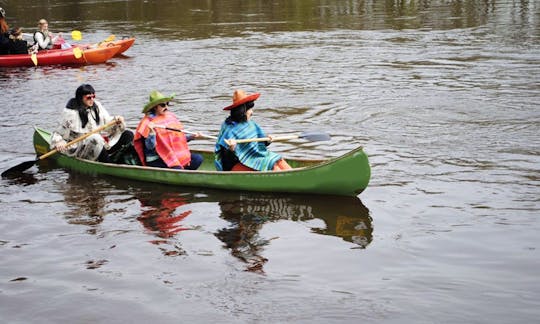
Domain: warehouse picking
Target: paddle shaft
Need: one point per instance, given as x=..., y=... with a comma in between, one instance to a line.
x=312, y=136
x=78, y=139
x=184, y=131
x=75, y=34
x=267, y=139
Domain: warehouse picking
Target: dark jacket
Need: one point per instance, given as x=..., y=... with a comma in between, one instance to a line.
x=4, y=43
x=18, y=46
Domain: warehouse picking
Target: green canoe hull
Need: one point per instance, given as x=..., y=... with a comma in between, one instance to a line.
x=347, y=175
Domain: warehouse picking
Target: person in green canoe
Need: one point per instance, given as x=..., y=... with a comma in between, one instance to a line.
x=252, y=156
x=159, y=146
x=82, y=114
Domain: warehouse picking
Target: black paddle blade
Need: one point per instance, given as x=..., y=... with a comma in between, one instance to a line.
x=315, y=136
x=18, y=168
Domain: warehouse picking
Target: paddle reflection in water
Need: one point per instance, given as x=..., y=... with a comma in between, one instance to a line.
x=344, y=217
x=22, y=179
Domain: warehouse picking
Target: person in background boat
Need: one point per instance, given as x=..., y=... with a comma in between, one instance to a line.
x=4, y=33
x=83, y=114
x=43, y=38
x=17, y=45
x=159, y=147
x=253, y=156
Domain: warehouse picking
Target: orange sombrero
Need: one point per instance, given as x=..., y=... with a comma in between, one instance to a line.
x=241, y=97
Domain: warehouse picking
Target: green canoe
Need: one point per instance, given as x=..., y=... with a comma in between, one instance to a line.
x=347, y=175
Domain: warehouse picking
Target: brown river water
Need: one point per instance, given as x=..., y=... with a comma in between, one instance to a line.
x=442, y=95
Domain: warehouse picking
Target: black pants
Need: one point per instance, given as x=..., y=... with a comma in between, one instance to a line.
x=194, y=164
x=125, y=139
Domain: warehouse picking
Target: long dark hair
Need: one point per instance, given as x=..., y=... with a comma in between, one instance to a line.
x=82, y=91
x=238, y=114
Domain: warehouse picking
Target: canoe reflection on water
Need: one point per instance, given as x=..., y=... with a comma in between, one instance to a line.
x=160, y=216
x=344, y=217
x=166, y=214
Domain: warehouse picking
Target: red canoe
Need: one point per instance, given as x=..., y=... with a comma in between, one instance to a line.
x=62, y=56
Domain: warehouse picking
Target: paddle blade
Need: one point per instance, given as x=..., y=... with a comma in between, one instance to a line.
x=77, y=52
x=19, y=168
x=76, y=35
x=33, y=57
x=110, y=38
x=315, y=136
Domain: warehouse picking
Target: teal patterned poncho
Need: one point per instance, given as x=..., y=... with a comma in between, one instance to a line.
x=254, y=155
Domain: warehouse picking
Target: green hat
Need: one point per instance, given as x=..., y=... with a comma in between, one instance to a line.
x=154, y=99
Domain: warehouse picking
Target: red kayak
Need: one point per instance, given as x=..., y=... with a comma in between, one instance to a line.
x=125, y=43
x=70, y=56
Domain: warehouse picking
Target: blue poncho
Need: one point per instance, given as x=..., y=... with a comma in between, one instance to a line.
x=254, y=154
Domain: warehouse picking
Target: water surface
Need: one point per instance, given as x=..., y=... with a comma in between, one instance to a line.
x=442, y=96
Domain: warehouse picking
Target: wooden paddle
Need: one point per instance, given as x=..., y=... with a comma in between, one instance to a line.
x=184, y=131
x=28, y=164
x=309, y=136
